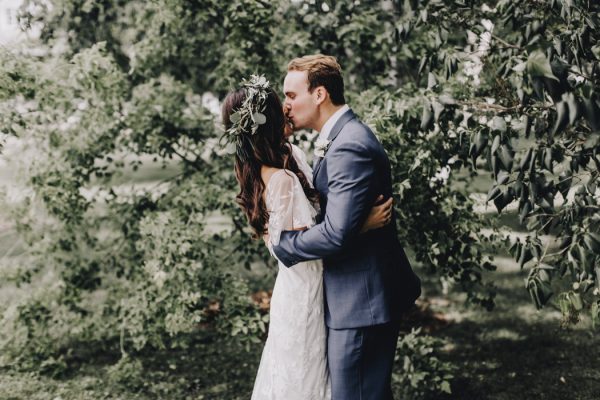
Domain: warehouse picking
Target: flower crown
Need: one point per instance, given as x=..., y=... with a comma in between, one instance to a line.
x=249, y=115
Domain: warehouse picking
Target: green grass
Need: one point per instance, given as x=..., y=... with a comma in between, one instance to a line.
x=515, y=351
x=211, y=369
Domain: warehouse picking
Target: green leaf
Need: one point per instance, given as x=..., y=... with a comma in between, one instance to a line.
x=528, y=124
x=515, y=248
x=524, y=164
x=534, y=293
x=495, y=164
x=539, y=66
x=595, y=312
x=592, y=243
x=545, y=291
x=422, y=64
x=502, y=177
x=259, y=118
x=524, y=212
x=565, y=242
x=520, y=67
x=525, y=257
x=506, y=156
x=562, y=117
x=592, y=113
x=576, y=301
x=547, y=152
x=445, y=387
x=502, y=201
x=446, y=99
x=498, y=124
x=495, y=144
x=564, y=184
x=431, y=81
x=481, y=140
x=426, y=116
x=437, y=110
x=534, y=155
x=493, y=193
x=573, y=106
x=235, y=117
x=592, y=142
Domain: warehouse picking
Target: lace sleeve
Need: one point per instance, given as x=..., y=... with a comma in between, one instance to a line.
x=280, y=204
x=300, y=158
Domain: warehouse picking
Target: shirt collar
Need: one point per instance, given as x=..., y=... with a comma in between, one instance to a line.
x=324, y=134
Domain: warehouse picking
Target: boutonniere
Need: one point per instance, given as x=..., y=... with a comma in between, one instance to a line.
x=321, y=146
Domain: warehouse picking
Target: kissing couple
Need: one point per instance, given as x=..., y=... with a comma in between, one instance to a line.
x=344, y=280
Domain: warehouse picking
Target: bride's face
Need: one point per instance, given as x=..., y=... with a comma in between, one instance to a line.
x=300, y=106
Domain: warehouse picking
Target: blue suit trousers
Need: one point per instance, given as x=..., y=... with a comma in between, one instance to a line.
x=361, y=360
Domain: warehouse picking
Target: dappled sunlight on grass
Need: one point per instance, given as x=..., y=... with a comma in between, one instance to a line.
x=515, y=351
x=500, y=334
x=527, y=312
x=505, y=265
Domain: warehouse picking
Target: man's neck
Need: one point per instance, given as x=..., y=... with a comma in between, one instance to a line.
x=326, y=112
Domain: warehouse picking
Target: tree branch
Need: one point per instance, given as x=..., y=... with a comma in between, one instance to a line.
x=505, y=43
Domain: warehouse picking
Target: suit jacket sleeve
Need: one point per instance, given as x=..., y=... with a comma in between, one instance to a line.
x=350, y=169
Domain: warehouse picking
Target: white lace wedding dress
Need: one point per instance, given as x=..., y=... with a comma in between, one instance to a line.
x=294, y=360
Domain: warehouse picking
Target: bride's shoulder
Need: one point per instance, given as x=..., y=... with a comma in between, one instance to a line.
x=277, y=176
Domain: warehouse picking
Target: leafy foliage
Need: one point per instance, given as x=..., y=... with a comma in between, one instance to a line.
x=452, y=89
x=539, y=135
x=444, y=232
x=423, y=375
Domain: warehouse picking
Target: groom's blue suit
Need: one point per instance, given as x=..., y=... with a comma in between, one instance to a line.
x=368, y=279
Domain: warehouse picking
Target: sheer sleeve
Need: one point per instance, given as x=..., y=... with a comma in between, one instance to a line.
x=280, y=204
x=300, y=158
x=306, y=169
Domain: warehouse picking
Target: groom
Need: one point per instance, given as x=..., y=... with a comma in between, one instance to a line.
x=368, y=279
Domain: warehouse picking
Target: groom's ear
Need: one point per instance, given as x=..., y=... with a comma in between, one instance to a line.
x=320, y=94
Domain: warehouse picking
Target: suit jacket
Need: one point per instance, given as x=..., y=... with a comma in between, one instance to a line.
x=368, y=279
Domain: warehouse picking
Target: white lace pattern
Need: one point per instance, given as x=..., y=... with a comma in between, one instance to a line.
x=294, y=360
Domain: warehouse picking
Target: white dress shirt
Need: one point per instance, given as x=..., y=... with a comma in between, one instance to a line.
x=326, y=130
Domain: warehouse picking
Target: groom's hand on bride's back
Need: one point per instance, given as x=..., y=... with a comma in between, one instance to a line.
x=380, y=214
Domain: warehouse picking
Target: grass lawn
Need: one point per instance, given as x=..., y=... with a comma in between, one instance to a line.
x=513, y=352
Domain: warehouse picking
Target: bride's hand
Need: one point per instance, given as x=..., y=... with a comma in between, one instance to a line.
x=379, y=216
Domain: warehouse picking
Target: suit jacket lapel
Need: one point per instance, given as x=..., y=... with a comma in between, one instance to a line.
x=316, y=167
x=335, y=131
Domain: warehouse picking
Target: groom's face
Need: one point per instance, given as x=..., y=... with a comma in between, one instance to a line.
x=299, y=105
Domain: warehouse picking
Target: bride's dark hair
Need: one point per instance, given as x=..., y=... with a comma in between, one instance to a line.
x=269, y=147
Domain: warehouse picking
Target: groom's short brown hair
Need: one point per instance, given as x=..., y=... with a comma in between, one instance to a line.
x=323, y=71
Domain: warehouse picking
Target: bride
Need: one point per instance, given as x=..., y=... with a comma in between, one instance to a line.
x=276, y=194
